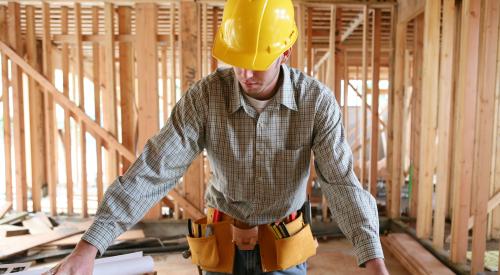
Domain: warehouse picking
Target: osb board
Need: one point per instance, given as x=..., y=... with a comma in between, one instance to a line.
x=12, y=230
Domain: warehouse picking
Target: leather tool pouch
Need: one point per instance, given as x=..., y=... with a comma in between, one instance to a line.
x=280, y=254
x=215, y=252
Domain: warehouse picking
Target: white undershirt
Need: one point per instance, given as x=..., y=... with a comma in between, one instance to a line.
x=258, y=105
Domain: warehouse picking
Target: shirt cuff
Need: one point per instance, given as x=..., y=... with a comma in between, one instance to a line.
x=99, y=236
x=368, y=250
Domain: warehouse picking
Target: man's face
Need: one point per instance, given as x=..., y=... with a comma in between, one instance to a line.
x=260, y=84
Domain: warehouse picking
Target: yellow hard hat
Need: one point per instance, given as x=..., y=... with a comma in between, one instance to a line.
x=254, y=33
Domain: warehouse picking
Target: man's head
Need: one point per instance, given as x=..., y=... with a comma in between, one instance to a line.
x=255, y=34
x=261, y=84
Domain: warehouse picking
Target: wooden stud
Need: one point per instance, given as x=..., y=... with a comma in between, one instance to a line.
x=377, y=18
x=36, y=115
x=215, y=23
x=127, y=83
x=50, y=123
x=338, y=49
x=147, y=75
x=309, y=41
x=109, y=95
x=18, y=100
x=173, y=89
x=397, y=123
x=300, y=39
x=190, y=72
x=6, y=108
x=164, y=79
x=96, y=76
x=362, y=165
x=345, y=110
x=495, y=215
x=446, y=88
x=330, y=71
x=465, y=106
x=430, y=86
x=416, y=103
x=67, y=124
x=482, y=167
x=389, y=185
x=81, y=103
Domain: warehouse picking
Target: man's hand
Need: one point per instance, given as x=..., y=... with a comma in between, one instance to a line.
x=376, y=266
x=80, y=261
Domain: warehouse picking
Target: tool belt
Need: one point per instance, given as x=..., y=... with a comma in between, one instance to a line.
x=282, y=245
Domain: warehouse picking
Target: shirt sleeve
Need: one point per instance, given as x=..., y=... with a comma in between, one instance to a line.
x=165, y=158
x=353, y=208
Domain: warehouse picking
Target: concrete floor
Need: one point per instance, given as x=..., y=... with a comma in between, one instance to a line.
x=335, y=256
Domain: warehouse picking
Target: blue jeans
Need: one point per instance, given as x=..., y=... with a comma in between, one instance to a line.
x=247, y=262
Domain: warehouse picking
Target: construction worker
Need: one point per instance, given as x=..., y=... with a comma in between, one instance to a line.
x=259, y=121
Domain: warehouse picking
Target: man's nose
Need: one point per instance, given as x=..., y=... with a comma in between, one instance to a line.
x=247, y=73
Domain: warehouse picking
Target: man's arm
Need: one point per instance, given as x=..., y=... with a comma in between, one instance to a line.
x=165, y=158
x=353, y=208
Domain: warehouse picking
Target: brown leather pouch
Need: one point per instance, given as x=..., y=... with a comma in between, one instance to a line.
x=280, y=254
x=216, y=252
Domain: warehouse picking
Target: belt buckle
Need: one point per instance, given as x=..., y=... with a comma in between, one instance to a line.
x=245, y=239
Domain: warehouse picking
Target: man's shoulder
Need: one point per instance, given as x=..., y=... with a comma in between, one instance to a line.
x=308, y=87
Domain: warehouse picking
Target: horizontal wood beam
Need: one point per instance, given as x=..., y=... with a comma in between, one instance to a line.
x=100, y=38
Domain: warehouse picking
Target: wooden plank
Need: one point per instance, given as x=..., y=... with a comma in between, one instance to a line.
x=37, y=138
x=18, y=104
x=50, y=123
x=413, y=256
x=338, y=51
x=73, y=240
x=495, y=215
x=7, y=133
x=147, y=76
x=358, y=20
x=465, y=106
x=38, y=224
x=430, y=86
x=17, y=244
x=396, y=139
x=482, y=167
x=81, y=103
x=190, y=72
x=5, y=208
x=416, y=111
x=330, y=66
x=109, y=96
x=164, y=81
x=363, y=177
x=377, y=18
x=67, y=124
x=96, y=76
x=127, y=83
x=446, y=86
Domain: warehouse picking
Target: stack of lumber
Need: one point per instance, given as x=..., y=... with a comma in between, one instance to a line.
x=414, y=257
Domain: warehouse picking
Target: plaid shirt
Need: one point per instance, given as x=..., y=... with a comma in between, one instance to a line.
x=260, y=162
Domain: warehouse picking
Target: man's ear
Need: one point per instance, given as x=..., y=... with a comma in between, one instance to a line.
x=286, y=55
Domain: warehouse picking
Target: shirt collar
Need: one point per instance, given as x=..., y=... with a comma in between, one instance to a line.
x=285, y=95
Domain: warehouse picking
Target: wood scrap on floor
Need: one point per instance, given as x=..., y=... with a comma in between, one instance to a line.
x=414, y=257
x=5, y=208
x=14, y=245
x=73, y=240
x=38, y=224
x=13, y=218
x=7, y=230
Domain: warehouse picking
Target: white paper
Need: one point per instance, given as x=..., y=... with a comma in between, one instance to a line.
x=128, y=264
